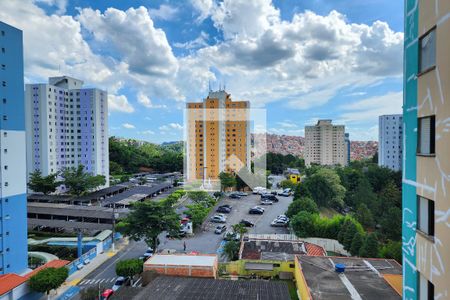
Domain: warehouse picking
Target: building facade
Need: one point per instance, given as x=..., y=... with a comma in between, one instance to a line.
x=426, y=167
x=325, y=144
x=67, y=125
x=218, y=136
x=13, y=203
x=390, y=141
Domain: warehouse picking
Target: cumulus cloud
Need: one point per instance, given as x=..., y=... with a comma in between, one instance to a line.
x=164, y=12
x=128, y=126
x=119, y=104
x=59, y=4
x=145, y=101
x=199, y=42
x=171, y=126
x=147, y=132
x=203, y=8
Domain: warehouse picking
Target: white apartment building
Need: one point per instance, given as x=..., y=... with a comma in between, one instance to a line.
x=66, y=125
x=390, y=147
x=325, y=144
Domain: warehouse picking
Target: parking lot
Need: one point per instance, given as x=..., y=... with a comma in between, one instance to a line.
x=206, y=241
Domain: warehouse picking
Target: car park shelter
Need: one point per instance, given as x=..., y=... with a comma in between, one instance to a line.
x=329, y=277
x=183, y=265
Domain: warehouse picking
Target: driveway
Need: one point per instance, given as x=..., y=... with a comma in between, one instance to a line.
x=206, y=241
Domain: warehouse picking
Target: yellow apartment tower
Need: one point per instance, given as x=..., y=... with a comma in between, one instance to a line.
x=218, y=136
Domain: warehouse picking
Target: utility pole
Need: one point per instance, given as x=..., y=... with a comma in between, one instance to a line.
x=113, y=227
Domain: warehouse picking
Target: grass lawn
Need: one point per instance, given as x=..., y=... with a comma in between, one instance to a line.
x=328, y=212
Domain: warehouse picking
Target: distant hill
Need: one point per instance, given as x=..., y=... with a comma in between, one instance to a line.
x=295, y=145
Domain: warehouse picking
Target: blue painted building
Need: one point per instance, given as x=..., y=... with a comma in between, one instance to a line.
x=13, y=209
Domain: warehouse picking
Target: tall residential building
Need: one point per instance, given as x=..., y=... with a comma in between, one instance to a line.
x=325, y=144
x=67, y=125
x=13, y=203
x=347, y=145
x=218, y=130
x=390, y=141
x=426, y=153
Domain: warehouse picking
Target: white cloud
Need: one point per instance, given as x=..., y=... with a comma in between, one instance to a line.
x=287, y=124
x=171, y=126
x=287, y=131
x=203, y=8
x=369, y=109
x=119, y=103
x=128, y=126
x=199, y=42
x=164, y=12
x=147, y=132
x=59, y=4
x=145, y=101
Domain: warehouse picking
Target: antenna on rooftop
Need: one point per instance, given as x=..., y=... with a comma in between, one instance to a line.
x=209, y=85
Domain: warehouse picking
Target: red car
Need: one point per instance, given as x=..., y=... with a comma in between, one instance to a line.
x=107, y=294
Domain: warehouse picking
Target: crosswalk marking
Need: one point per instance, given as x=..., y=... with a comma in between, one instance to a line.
x=97, y=281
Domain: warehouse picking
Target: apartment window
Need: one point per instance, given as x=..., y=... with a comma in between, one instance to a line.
x=426, y=139
x=427, y=51
x=426, y=289
x=425, y=222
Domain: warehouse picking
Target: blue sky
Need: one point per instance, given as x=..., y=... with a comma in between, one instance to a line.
x=300, y=60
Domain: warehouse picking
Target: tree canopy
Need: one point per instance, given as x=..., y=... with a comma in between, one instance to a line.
x=79, y=182
x=227, y=180
x=48, y=279
x=148, y=219
x=129, y=267
x=325, y=188
x=43, y=184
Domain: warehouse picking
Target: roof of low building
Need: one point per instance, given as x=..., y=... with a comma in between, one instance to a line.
x=177, y=288
x=363, y=276
x=57, y=263
x=182, y=260
x=10, y=281
x=273, y=247
x=135, y=194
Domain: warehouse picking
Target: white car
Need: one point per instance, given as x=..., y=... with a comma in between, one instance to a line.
x=259, y=207
x=118, y=284
x=279, y=223
x=218, y=219
x=266, y=202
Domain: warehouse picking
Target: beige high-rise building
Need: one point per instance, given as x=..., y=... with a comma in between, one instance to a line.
x=426, y=155
x=325, y=144
x=218, y=132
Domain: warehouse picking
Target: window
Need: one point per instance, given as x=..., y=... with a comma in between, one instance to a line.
x=425, y=222
x=426, y=139
x=427, y=51
x=426, y=289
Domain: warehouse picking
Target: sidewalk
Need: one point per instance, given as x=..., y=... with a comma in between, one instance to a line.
x=68, y=290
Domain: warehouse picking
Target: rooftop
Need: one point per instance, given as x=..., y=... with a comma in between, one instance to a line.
x=58, y=263
x=273, y=247
x=134, y=194
x=368, y=277
x=182, y=260
x=175, y=288
x=9, y=282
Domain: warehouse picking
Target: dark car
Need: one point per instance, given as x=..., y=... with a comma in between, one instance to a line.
x=227, y=206
x=270, y=197
x=255, y=211
x=246, y=223
x=285, y=194
x=223, y=209
x=235, y=196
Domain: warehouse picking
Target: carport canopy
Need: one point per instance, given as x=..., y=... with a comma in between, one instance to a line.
x=258, y=266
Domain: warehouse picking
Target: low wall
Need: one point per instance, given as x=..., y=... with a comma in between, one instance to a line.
x=238, y=268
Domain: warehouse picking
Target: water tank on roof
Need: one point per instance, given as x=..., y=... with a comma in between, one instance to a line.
x=340, y=268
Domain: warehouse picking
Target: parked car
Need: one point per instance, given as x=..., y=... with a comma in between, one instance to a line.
x=118, y=284
x=220, y=229
x=227, y=206
x=107, y=294
x=279, y=223
x=235, y=196
x=246, y=223
x=259, y=207
x=218, y=219
x=242, y=194
x=148, y=253
x=223, y=209
x=266, y=202
x=270, y=197
x=179, y=234
x=255, y=211
x=230, y=235
x=285, y=194
x=282, y=217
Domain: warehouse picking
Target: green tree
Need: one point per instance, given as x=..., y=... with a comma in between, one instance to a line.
x=343, y=230
x=129, y=268
x=198, y=196
x=231, y=249
x=303, y=224
x=364, y=194
x=43, y=184
x=148, y=219
x=239, y=228
x=78, y=181
x=115, y=168
x=227, y=180
x=197, y=212
x=302, y=204
x=390, y=195
x=391, y=223
x=349, y=234
x=357, y=242
x=370, y=246
x=48, y=279
x=364, y=216
x=287, y=184
x=392, y=249
x=325, y=188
